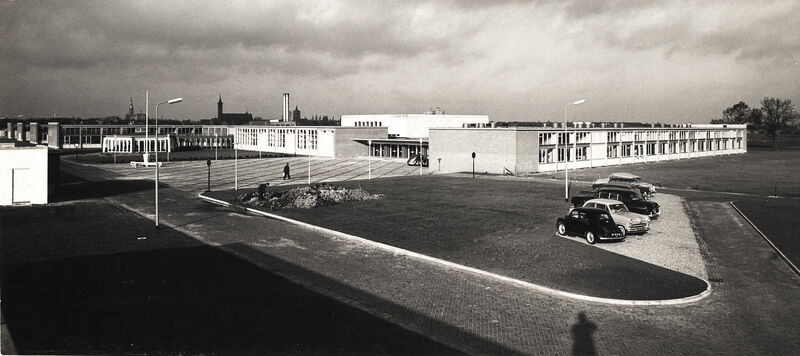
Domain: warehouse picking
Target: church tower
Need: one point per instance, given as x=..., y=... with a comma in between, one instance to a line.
x=219, y=108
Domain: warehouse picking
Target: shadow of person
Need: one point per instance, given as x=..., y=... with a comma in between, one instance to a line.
x=583, y=343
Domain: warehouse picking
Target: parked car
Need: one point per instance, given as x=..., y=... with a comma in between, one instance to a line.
x=631, y=179
x=627, y=221
x=592, y=223
x=633, y=200
x=596, y=186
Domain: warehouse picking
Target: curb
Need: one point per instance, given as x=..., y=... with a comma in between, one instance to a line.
x=785, y=259
x=520, y=283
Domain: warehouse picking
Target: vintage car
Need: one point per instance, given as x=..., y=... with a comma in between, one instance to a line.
x=630, y=179
x=627, y=221
x=632, y=199
x=592, y=223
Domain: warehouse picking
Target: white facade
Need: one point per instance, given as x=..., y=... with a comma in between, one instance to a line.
x=23, y=175
x=532, y=150
x=301, y=140
x=413, y=125
x=128, y=144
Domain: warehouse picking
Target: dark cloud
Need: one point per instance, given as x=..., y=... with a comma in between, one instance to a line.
x=770, y=35
x=77, y=35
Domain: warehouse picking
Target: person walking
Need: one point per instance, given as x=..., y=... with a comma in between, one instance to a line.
x=286, y=174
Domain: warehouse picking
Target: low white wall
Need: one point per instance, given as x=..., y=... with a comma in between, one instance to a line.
x=34, y=161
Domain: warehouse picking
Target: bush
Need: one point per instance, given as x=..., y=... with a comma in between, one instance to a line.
x=305, y=197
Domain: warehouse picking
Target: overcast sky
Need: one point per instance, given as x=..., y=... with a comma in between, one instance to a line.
x=653, y=61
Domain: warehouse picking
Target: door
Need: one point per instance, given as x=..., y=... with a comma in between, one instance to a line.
x=21, y=186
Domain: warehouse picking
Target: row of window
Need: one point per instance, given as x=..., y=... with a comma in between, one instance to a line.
x=304, y=138
x=551, y=155
x=368, y=124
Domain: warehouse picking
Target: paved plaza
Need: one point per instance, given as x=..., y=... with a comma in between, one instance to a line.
x=751, y=309
x=193, y=175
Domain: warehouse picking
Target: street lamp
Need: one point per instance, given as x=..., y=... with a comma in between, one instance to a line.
x=172, y=101
x=566, y=149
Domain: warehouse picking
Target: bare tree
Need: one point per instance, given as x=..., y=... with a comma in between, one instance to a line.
x=777, y=114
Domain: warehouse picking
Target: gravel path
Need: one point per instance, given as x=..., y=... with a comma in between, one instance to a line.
x=670, y=243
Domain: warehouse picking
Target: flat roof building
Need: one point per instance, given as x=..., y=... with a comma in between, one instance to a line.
x=531, y=150
x=413, y=125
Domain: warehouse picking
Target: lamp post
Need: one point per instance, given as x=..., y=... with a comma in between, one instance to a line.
x=369, y=170
x=172, y=101
x=566, y=149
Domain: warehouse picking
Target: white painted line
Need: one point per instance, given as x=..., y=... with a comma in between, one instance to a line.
x=786, y=259
x=419, y=256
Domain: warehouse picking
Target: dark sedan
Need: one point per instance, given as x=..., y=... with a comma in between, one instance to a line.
x=591, y=223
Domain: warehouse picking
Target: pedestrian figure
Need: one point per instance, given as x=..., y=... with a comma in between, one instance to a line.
x=286, y=174
x=582, y=334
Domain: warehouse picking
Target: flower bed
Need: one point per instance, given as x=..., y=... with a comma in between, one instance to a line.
x=304, y=197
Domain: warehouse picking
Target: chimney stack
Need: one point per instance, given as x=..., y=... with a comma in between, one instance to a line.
x=285, y=107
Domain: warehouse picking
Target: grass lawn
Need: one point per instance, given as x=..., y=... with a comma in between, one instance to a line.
x=776, y=218
x=506, y=227
x=759, y=171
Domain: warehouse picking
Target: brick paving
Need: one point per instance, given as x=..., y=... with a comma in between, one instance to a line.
x=751, y=309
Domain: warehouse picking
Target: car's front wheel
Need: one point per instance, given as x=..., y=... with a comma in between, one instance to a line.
x=562, y=230
x=622, y=230
x=590, y=237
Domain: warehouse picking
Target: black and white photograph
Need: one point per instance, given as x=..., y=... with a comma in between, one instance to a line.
x=342, y=177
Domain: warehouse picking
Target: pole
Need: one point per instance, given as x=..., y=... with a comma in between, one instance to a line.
x=309, y=169
x=146, y=120
x=216, y=147
x=369, y=171
x=473, y=165
x=235, y=168
x=420, y=157
x=157, y=163
x=208, y=163
x=566, y=156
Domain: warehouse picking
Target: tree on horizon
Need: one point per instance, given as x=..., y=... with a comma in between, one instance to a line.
x=777, y=116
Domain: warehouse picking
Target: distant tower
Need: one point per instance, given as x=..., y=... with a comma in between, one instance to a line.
x=219, y=108
x=296, y=114
x=285, y=107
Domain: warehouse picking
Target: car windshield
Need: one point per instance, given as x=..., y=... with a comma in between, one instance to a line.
x=636, y=196
x=618, y=208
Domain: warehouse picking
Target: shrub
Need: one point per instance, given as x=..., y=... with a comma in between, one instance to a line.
x=305, y=197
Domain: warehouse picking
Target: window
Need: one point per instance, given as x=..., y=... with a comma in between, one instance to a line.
x=626, y=150
x=561, y=138
x=613, y=137
x=612, y=151
x=301, y=139
x=546, y=155
x=651, y=149
x=313, y=139
x=582, y=153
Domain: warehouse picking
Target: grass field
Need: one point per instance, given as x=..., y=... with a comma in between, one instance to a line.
x=506, y=227
x=760, y=171
x=776, y=218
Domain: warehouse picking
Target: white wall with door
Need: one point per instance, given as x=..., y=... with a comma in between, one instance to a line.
x=23, y=175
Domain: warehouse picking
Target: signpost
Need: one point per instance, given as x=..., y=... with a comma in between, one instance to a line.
x=473, y=165
x=208, y=163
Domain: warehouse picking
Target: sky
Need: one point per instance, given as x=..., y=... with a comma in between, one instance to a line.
x=647, y=61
